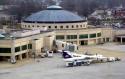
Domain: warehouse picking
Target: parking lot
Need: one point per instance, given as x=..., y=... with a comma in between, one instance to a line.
x=54, y=68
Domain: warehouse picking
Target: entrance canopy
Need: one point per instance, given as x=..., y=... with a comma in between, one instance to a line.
x=120, y=38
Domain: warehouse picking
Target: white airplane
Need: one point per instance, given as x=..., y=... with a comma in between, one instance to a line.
x=70, y=55
x=79, y=59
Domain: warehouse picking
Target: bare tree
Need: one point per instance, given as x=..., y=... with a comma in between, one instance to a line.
x=24, y=8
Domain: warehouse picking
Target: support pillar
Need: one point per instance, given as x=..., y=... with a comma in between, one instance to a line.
x=27, y=55
x=65, y=39
x=96, y=41
x=20, y=57
x=13, y=59
x=78, y=40
x=121, y=41
x=88, y=39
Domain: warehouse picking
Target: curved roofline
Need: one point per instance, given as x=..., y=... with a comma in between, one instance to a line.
x=54, y=6
x=54, y=14
x=55, y=21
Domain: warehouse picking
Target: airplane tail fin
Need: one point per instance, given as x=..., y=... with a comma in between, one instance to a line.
x=66, y=54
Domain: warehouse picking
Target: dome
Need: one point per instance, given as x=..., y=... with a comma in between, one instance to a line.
x=54, y=14
x=54, y=7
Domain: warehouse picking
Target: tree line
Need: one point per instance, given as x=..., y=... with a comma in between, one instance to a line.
x=24, y=8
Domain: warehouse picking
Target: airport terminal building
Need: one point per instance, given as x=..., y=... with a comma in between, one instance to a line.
x=19, y=44
x=69, y=27
x=40, y=30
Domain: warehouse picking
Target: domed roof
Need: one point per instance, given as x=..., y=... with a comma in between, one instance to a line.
x=53, y=14
x=54, y=7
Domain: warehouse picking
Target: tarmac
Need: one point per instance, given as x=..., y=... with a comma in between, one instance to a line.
x=109, y=50
x=54, y=68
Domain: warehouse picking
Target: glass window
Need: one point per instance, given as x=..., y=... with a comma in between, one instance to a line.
x=29, y=46
x=5, y=50
x=60, y=37
x=104, y=40
x=49, y=26
x=80, y=25
x=107, y=39
x=93, y=35
x=24, y=47
x=77, y=26
x=55, y=26
x=17, y=49
x=38, y=26
x=85, y=42
x=28, y=25
x=98, y=34
x=67, y=26
x=61, y=26
x=71, y=36
x=72, y=26
x=83, y=36
x=62, y=45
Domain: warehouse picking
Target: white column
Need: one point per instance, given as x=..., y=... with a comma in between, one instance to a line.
x=20, y=57
x=121, y=40
x=27, y=55
x=65, y=38
x=78, y=40
x=96, y=39
x=13, y=59
x=88, y=38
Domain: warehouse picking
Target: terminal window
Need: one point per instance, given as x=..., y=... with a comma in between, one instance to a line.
x=5, y=50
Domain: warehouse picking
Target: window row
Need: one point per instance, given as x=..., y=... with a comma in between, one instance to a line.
x=5, y=50
x=68, y=26
x=82, y=36
x=71, y=37
x=17, y=49
x=32, y=26
x=61, y=27
x=24, y=47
